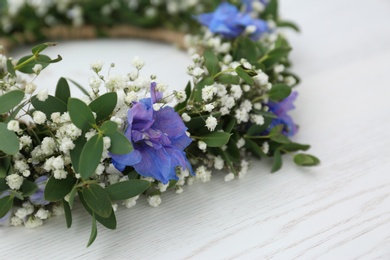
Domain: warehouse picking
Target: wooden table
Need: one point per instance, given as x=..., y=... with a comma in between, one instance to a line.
x=339, y=210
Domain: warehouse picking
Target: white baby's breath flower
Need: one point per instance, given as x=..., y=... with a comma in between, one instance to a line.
x=13, y=125
x=163, y=187
x=37, y=68
x=229, y=177
x=130, y=202
x=211, y=123
x=180, y=96
x=218, y=163
x=202, y=174
x=96, y=66
x=257, y=119
x=240, y=143
x=15, y=221
x=185, y=117
x=208, y=92
x=43, y=95
x=14, y=181
x=33, y=222
x=208, y=107
x=279, y=68
x=138, y=63
x=197, y=72
x=39, y=117
x=42, y=213
x=154, y=201
x=202, y=145
x=265, y=147
x=30, y=88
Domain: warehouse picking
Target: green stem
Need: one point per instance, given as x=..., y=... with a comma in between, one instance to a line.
x=256, y=137
x=263, y=58
x=21, y=65
x=222, y=72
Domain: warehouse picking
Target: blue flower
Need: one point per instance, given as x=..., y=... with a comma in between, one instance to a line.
x=230, y=23
x=38, y=197
x=280, y=109
x=159, y=138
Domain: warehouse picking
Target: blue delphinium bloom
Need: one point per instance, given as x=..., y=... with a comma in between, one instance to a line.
x=230, y=23
x=280, y=109
x=159, y=138
x=38, y=197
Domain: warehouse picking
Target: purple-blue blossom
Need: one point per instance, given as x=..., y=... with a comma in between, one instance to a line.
x=229, y=22
x=158, y=137
x=280, y=109
x=38, y=197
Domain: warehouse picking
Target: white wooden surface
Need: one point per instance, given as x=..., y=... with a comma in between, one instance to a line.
x=339, y=210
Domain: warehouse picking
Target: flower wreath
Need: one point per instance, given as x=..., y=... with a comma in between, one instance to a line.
x=118, y=142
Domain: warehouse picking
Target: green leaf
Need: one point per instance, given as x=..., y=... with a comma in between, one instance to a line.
x=16, y=194
x=127, y=189
x=119, y=143
x=62, y=90
x=28, y=188
x=279, y=92
x=277, y=161
x=265, y=113
x=246, y=49
x=80, y=114
x=211, y=62
x=109, y=127
x=49, y=106
x=228, y=79
x=6, y=205
x=254, y=148
x=183, y=104
x=306, y=160
x=216, y=139
x=233, y=151
x=93, y=235
x=282, y=139
x=81, y=88
x=97, y=199
x=228, y=161
x=68, y=213
x=72, y=193
x=3, y=185
x=5, y=164
x=10, y=100
x=10, y=68
x=104, y=105
x=293, y=147
x=230, y=125
x=56, y=190
x=28, y=67
x=288, y=24
x=258, y=129
x=15, y=112
x=244, y=75
x=90, y=156
x=271, y=11
x=41, y=47
x=109, y=222
x=75, y=153
x=9, y=143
